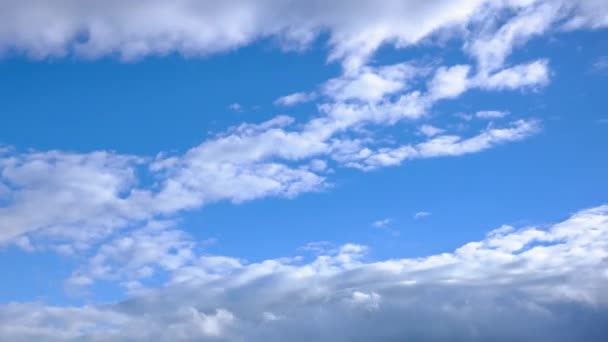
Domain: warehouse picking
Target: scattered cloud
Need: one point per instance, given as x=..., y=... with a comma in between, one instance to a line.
x=528, y=280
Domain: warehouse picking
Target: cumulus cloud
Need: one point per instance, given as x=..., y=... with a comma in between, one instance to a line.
x=529, y=283
x=136, y=255
x=449, y=82
x=372, y=84
x=132, y=29
x=87, y=190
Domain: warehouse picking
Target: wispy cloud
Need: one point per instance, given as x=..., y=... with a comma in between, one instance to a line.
x=295, y=98
x=382, y=223
x=600, y=64
x=421, y=215
x=491, y=114
x=236, y=107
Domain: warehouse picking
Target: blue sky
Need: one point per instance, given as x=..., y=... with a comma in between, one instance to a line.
x=211, y=149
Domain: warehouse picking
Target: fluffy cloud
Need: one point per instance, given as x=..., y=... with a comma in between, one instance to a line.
x=449, y=82
x=64, y=192
x=531, y=75
x=132, y=29
x=132, y=257
x=372, y=84
x=531, y=283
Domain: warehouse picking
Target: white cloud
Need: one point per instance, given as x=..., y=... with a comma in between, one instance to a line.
x=491, y=114
x=421, y=214
x=87, y=190
x=295, y=98
x=382, y=223
x=236, y=107
x=587, y=14
x=439, y=146
x=533, y=74
x=430, y=130
x=100, y=191
x=137, y=255
x=492, y=48
x=449, y=82
x=372, y=84
x=132, y=29
x=544, y=284
x=355, y=29
x=600, y=64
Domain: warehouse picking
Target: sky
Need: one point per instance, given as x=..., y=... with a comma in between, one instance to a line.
x=294, y=170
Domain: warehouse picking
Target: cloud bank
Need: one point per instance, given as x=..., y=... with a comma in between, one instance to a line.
x=532, y=283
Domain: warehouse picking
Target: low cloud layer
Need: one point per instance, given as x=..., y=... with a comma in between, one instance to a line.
x=533, y=283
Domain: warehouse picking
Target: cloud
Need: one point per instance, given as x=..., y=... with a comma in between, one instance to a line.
x=529, y=75
x=87, y=189
x=235, y=107
x=600, y=64
x=492, y=48
x=372, y=84
x=527, y=283
x=449, y=82
x=430, y=130
x=295, y=98
x=103, y=191
x=382, y=223
x=491, y=114
x=421, y=214
x=131, y=29
x=439, y=146
x=134, y=256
